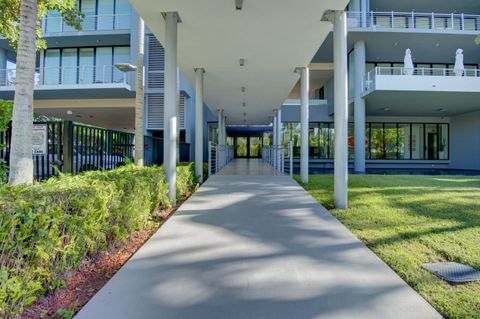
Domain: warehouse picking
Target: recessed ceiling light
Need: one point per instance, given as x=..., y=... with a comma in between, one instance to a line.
x=244, y=104
x=244, y=89
x=69, y=112
x=241, y=62
x=395, y=44
x=238, y=4
x=386, y=109
x=442, y=110
x=437, y=44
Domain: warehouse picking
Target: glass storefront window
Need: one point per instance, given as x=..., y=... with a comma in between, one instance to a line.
x=351, y=141
x=377, y=147
x=69, y=66
x=443, y=142
x=314, y=142
x=431, y=142
x=403, y=141
x=391, y=138
x=85, y=67
x=417, y=141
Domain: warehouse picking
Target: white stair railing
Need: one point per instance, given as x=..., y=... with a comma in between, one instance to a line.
x=278, y=155
x=218, y=157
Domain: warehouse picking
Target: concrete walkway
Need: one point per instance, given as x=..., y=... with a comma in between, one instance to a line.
x=255, y=247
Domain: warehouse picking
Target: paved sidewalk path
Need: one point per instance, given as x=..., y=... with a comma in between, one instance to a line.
x=255, y=247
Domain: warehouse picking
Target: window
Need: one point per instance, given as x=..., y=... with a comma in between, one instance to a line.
x=120, y=55
x=86, y=62
x=52, y=67
x=314, y=140
x=105, y=12
x=417, y=141
x=69, y=66
x=403, y=141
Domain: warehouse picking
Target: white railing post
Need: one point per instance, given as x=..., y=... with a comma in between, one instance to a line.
x=463, y=22
x=392, y=22
x=371, y=19
x=290, y=146
x=412, y=25
x=209, y=158
x=433, y=21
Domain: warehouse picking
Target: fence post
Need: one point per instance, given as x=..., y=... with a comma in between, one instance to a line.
x=290, y=146
x=67, y=144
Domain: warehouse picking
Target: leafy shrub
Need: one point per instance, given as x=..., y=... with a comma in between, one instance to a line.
x=48, y=228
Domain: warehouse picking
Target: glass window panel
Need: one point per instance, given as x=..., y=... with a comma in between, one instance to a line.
x=383, y=21
x=314, y=140
x=417, y=141
x=122, y=14
x=401, y=22
x=439, y=69
x=53, y=22
x=103, y=67
x=105, y=14
x=470, y=24
x=422, y=22
x=69, y=66
x=423, y=69
x=431, y=141
x=443, y=147
x=403, y=141
x=367, y=142
x=88, y=7
x=369, y=67
x=86, y=66
x=441, y=23
x=213, y=132
x=390, y=137
x=351, y=141
x=331, y=141
x=457, y=23
x=52, y=66
x=377, y=147
x=120, y=55
x=323, y=140
x=397, y=69
x=268, y=138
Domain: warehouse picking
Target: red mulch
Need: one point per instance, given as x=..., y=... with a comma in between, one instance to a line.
x=83, y=283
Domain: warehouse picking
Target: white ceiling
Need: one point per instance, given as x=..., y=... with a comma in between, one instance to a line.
x=273, y=36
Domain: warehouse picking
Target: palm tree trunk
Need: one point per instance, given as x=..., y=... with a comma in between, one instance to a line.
x=21, y=163
x=139, y=109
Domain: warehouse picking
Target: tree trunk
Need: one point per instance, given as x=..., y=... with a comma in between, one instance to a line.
x=21, y=163
x=139, y=108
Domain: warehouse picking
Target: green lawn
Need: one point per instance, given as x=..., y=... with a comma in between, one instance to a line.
x=411, y=220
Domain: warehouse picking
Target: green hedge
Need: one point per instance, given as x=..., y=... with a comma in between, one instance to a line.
x=48, y=228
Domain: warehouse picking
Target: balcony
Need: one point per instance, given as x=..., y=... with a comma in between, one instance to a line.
x=91, y=23
x=72, y=82
x=421, y=91
x=414, y=22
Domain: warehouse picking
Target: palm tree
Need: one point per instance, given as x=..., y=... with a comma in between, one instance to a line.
x=21, y=163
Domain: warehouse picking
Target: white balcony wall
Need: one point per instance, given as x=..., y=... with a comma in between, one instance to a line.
x=427, y=83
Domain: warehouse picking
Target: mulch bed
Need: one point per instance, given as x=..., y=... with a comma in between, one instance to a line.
x=83, y=283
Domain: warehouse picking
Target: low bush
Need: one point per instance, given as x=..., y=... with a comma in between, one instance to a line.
x=47, y=228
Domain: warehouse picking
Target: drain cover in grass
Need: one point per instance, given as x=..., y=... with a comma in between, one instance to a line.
x=454, y=272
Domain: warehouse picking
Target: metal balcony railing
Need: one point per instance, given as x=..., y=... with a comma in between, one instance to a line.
x=81, y=75
x=414, y=20
x=104, y=22
x=278, y=155
x=371, y=77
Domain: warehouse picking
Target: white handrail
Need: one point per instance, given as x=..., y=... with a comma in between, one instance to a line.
x=102, y=22
x=66, y=75
x=218, y=157
x=370, y=77
x=414, y=20
x=275, y=156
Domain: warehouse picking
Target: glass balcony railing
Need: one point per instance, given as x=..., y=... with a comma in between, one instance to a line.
x=70, y=76
x=414, y=20
x=371, y=77
x=106, y=22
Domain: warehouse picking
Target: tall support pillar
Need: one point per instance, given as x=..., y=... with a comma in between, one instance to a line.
x=275, y=142
x=224, y=141
x=220, y=127
x=341, y=109
x=359, y=107
x=199, y=124
x=279, y=137
x=304, y=119
x=170, y=103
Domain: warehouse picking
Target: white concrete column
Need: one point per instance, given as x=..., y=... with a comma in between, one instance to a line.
x=275, y=141
x=340, y=59
x=199, y=124
x=220, y=126
x=170, y=103
x=359, y=107
x=304, y=110
x=224, y=142
x=279, y=126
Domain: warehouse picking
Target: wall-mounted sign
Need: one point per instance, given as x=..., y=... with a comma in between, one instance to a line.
x=39, y=140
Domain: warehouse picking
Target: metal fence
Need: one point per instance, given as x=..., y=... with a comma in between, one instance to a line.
x=280, y=157
x=218, y=157
x=75, y=148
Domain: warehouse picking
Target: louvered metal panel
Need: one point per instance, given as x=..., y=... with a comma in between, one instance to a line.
x=155, y=63
x=155, y=111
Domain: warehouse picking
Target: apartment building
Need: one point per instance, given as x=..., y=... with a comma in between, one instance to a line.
x=425, y=116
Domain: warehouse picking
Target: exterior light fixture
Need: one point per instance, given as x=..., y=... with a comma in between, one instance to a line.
x=244, y=104
x=125, y=67
x=242, y=62
x=442, y=110
x=244, y=89
x=238, y=4
x=69, y=112
x=386, y=109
